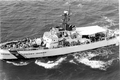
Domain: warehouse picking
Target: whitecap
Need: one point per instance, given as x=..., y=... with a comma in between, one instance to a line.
x=67, y=3
x=50, y=64
x=72, y=61
x=110, y=21
x=80, y=5
x=84, y=58
x=93, y=63
x=18, y=64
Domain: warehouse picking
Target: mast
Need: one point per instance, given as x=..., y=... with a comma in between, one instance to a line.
x=66, y=18
x=69, y=12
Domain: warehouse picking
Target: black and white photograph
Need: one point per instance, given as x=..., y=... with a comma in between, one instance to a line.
x=59, y=40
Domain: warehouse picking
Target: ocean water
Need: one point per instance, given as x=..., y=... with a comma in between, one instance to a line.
x=20, y=19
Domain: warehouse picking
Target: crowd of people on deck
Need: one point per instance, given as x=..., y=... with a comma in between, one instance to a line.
x=20, y=44
x=86, y=39
x=27, y=42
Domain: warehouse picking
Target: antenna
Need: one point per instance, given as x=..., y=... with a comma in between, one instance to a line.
x=69, y=11
x=66, y=18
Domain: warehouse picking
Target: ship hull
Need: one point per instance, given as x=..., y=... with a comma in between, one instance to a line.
x=9, y=55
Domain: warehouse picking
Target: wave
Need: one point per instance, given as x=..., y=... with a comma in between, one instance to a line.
x=95, y=64
x=86, y=58
x=96, y=59
x=50, y=64
x=106, y=22
x=18, y=63
x=100, y=58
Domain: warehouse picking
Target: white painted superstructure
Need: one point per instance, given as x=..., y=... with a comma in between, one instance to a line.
x=60, y=41
x=5, y=54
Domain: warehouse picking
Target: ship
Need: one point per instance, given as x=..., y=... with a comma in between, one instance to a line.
x=60, y=40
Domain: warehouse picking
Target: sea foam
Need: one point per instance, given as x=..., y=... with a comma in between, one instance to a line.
x=50, y=64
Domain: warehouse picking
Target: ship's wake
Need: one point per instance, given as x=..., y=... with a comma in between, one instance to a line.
x=20, y=63
x=95, y=64
x=101, y=58
x=50, y=64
